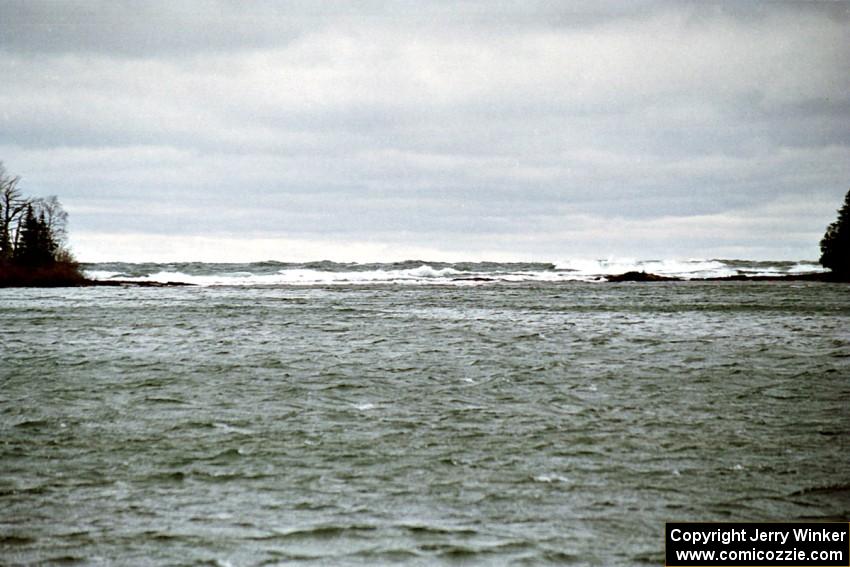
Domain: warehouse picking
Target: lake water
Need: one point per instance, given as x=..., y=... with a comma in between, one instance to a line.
x=497, y=423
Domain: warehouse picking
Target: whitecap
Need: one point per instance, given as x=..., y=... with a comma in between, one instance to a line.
x=101, y=274
x=550, y=478
x=232, y=428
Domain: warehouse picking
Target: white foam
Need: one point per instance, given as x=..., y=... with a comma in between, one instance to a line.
x=805, y=267
x=612, y=266
x=425, y=271
x=550, y=478
x=564, y=271
x=101, y=274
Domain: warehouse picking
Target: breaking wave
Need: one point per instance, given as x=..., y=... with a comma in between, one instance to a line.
x=424, y=273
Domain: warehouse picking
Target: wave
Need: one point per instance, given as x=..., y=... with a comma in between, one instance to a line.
x=424, y=273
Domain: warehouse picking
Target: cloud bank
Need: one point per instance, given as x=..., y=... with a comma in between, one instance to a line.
x=440, y=130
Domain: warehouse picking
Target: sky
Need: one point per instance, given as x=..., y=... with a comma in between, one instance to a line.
x=435, y=130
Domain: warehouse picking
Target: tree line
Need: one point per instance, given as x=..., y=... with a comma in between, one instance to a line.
x=835, y=245
x=33, y=234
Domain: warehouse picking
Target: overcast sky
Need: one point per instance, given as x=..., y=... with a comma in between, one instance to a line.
x=514, y=130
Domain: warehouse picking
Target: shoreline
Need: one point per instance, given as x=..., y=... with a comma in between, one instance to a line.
x=829, y=277
x=127, y=283
x=626, y=277
x=88, y=283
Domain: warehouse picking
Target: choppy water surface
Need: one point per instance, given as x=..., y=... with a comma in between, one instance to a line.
x=501, y=423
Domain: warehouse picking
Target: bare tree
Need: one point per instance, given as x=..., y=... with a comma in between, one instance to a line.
x=55, y=217
x=32, y=235
x=12, y=205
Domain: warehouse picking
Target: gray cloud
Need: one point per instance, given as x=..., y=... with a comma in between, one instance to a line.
x=162, y=27
x=533, y=128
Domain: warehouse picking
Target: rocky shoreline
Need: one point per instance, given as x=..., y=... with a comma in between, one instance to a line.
x=126, y=283
x=649, y=277
x=72, y=279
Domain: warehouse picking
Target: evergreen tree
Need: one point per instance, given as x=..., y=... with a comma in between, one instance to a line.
x=835, y=246
x=36, y=247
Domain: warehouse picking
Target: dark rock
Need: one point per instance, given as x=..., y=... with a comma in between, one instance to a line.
x=640, y=277
x=831, y=277
x=125, y=283
x=816, y=277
